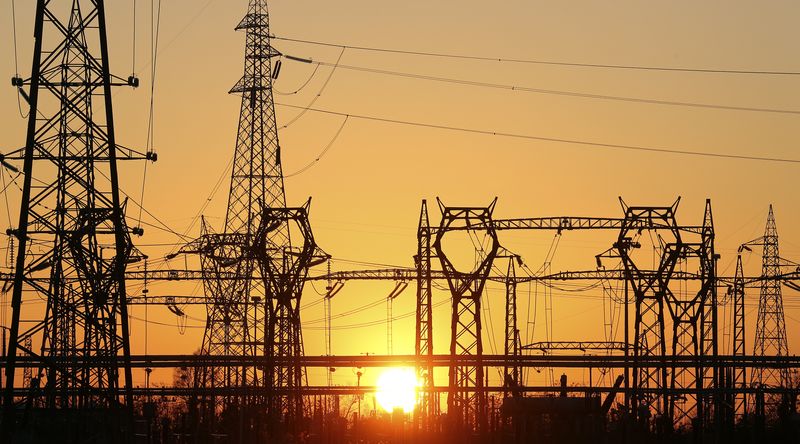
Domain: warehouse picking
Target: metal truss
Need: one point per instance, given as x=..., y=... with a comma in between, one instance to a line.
x=739, y=377
x=252, y=271
x=770, y=337
x=567, y=223
x=467, y=409
x=233, y=318
x=548, y=346
x=693, y=322
x=423, y=344
x=512, y=376
x=615, y=361
x=83, y=243
x=711, y=407
x=284, y=266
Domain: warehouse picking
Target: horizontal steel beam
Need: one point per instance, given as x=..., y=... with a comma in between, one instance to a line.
x=364, y=389
x=545, y=361
x=575, y=345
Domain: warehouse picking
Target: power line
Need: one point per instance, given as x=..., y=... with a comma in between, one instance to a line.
x=546, y=139
x=480, y=84
x=545, y=62
x=319, y=93
x=320, y=155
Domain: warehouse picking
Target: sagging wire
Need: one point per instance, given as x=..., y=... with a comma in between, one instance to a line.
x=350, y=312
x=313, y=73
x=540, y=62
x=381, y=321
x=530, y=326
x=319, y=93
x=163, y=227
x=321, y=154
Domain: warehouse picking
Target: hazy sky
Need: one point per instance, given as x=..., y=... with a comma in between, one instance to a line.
x=368, y=187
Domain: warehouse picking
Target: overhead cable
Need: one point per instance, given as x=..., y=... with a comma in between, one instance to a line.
x=586, y=143
x=480, y=84
x=548, y=62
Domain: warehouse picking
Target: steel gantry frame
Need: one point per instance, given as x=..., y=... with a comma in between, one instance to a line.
x=467, y=407
x=284, y=268
x=693, y=321
x=255, y=269
x=692, y=313
x=73, y=240
x=691, y=318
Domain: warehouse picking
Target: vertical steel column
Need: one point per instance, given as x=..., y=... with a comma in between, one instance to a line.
x=511, y=371
x=466, y=401
x=423, y=345
x=739, y=344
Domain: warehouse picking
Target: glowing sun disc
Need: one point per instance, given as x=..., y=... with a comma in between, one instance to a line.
x=397, y=388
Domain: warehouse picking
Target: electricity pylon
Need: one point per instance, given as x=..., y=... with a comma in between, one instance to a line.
x=770, y=338
x=74, y=243
x=252, y=271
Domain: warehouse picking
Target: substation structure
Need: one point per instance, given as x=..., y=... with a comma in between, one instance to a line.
x=672, y=376
x=68, y=365
x=667, y=381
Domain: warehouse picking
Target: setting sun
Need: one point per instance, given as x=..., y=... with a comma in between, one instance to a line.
x=397, y=388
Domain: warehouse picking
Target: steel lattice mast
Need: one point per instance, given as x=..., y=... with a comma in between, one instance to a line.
x=256, y=313
x=72, y=231
x=237, y=318
x=710, y=407
x=423, y=344
x=770, y=338
x=257, y=176
x=739, y=373
x=512, y=372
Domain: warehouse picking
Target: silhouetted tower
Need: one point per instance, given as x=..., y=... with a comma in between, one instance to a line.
x=467, y=407
x=284, y=266
x=710, y=402
x=511, y=374
x=672, y=395
x=770, y=339
x=252, y=270
x=73, y=240
x=649, y=383
x=423, y=345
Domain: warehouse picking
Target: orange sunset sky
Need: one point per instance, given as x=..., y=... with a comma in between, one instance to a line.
x=367, y=188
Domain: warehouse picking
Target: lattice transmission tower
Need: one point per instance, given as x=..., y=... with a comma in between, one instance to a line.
x=74, y=243
x=252, y=270
x=770, y=338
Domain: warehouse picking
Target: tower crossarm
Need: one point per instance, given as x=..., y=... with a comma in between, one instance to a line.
x=547, y=346
x=566, y=223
